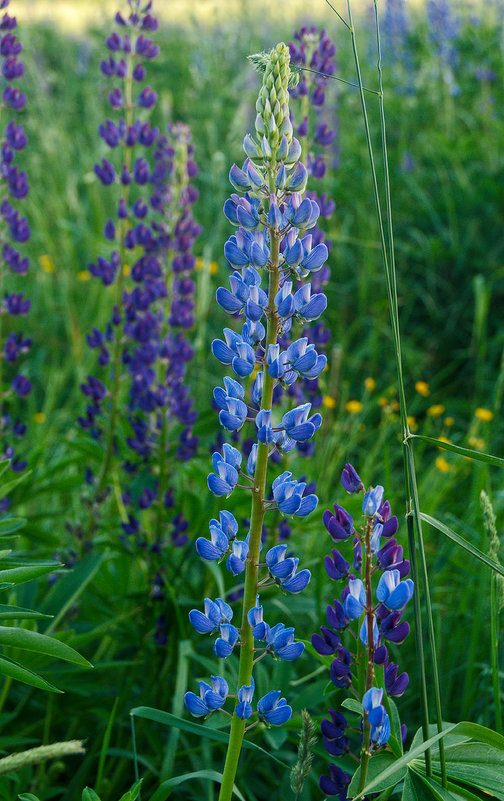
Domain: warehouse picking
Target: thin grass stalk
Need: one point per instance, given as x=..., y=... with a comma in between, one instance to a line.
x=409, y=457
x=409, y=467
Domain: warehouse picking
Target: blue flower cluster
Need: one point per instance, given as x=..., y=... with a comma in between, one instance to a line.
x=13, y=304
x=143, y=352
x=379, y=621
x=272, y=218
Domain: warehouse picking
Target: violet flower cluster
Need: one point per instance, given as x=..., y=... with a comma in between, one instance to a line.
x=443, y=26
x=313, y=49
x=272, y=220
x=372, y=615
x=143, y=351
x=396, y=48
x=14, y=231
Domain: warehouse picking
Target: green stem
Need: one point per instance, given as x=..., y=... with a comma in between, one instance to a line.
x=494, y=633
x=117, y=352
x=366, y=739
x=256, y=522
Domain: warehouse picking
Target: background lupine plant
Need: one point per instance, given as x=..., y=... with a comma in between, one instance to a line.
x=270, y=215
x=14, y=231
x=371, y=612
x=140, y=407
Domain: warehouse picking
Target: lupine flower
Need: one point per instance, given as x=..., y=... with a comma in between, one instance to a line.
x=244, y=707
x=212, y=697
x=382, y=614
x=377, y=715
x=272, y=219
x=273, y=709
x=16, y=229
x=215, y=614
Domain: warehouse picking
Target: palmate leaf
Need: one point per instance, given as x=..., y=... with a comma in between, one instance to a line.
x=167, y=719
x=10, y=524
x=16, y=671
x=19, y=575
x=395, y=770
x=33, y=641
x=164, y=791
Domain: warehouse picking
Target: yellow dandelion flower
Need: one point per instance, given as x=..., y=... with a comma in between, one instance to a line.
x=126, y=270
x=353, y=406
x=47, y=263
x=436, y=410
x=370, y=383
x=83, y=275
x=382, y=401
x=477, y=443
x=39, y=417
x=213, y=268
x=484, y=414
x=422, y=388
x=442, y=464
x=449, y=421
x=412, y=423
x=328, y=402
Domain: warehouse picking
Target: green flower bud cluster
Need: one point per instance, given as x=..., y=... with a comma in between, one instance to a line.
x=272, y=106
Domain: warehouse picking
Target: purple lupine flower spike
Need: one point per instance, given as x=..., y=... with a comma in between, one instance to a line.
x=16, y=231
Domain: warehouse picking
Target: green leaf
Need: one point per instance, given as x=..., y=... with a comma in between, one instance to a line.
x=16, y=671
x=33, y=641
x=167, y=719
x=470, y=454
x=478, y=765
x=18, y=613
x=133, y=793
x=10, y=524
x=377, y=767
x=420, y=788
x=448, y=532
x=66, y=591
x=353, y=705
x=473, y=730
x=28, y=797
x=395, y=741
x=10, y=485
x=19, y=575
x=89, y=795
x=165, y=789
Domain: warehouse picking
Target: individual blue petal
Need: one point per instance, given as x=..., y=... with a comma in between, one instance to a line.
x=274, y=710
x=228, y=302
x=291, y=652
x=201, y=622
x=224, y=644
x=298, y=582
x=372, y=501
x=218, y=486
x=195, y=705
x=207, y=550
x=308, y=504
x=221, y=351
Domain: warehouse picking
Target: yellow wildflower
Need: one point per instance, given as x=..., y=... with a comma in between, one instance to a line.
x=422, y=388
x=353, y=406
x=412, y=423
x=477, y=443
x=329, y=402
x=47, y=263
x=382, y=401
x=436, y=410
x=39, y=417
x=442, y=464
x=83, y=275
x=370, y=383
x=484, y=414
x=449, y=421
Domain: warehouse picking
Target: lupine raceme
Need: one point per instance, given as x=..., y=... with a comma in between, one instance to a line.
x=268, y=255
x=14, y=231
x=143, y=352
x=370, y=611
